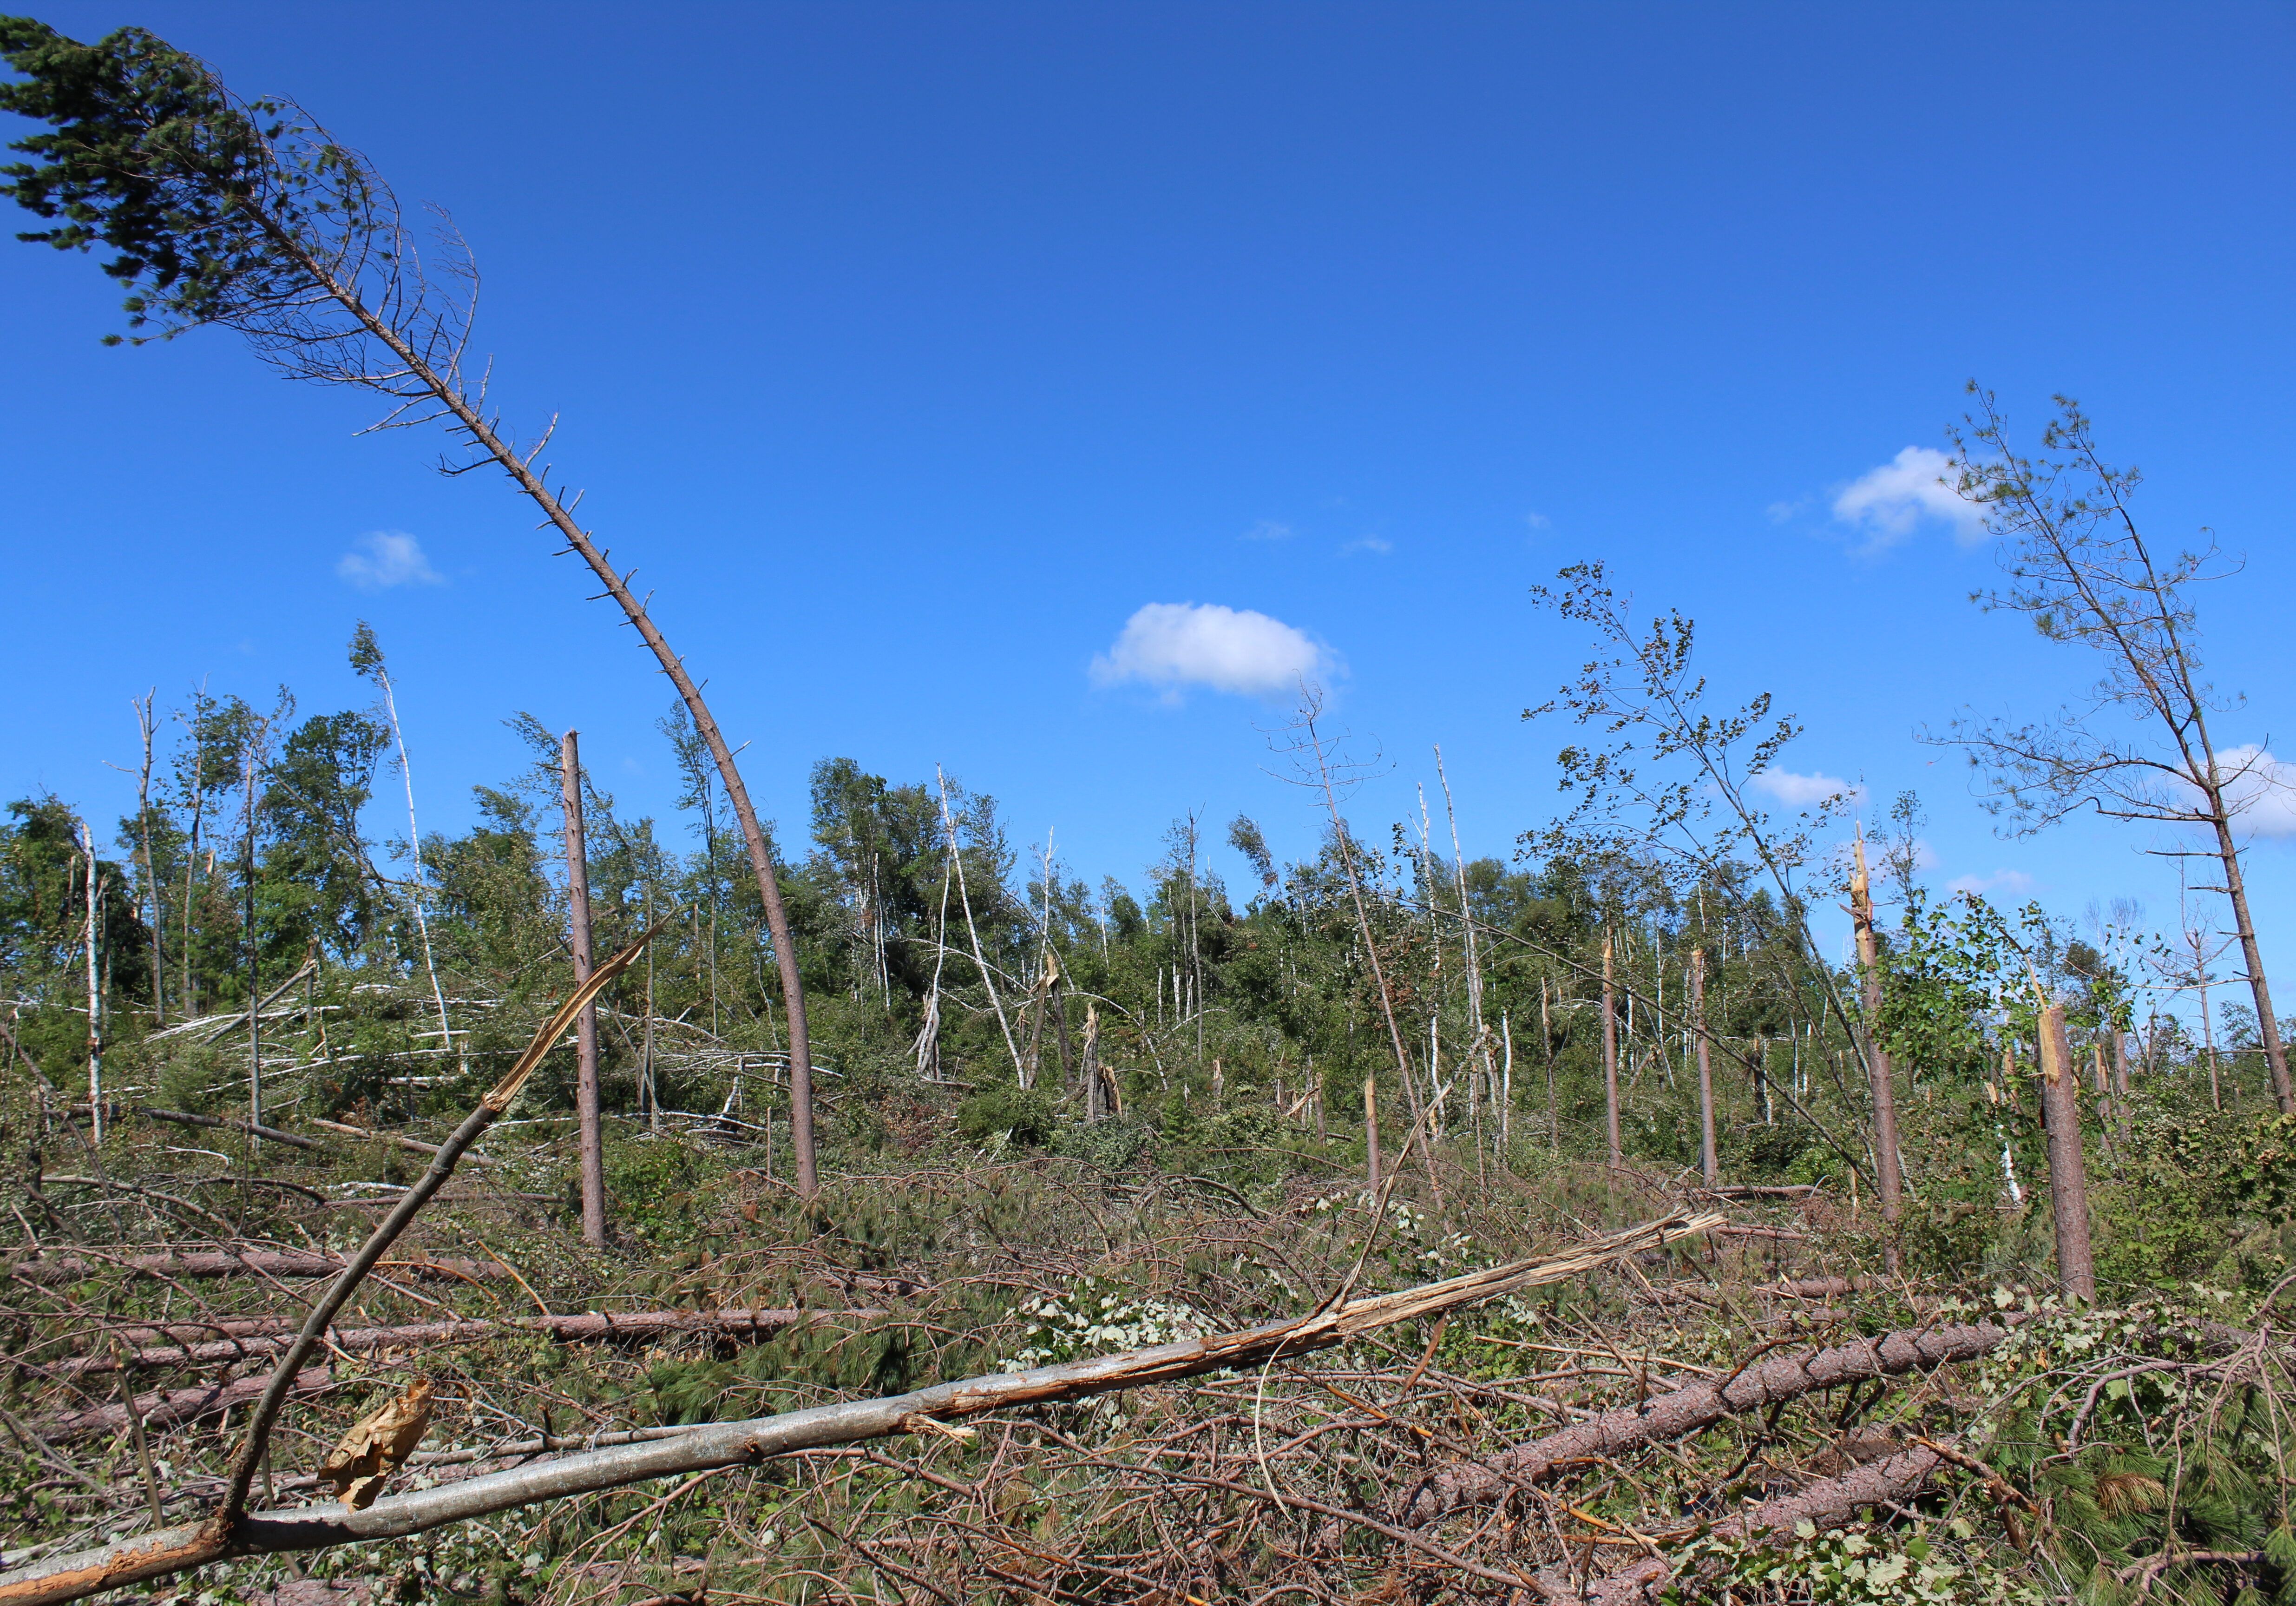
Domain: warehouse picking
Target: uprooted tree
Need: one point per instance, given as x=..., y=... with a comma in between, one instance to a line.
x=248, y=215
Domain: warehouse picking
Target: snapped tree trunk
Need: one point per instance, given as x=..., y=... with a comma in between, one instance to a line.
x=586, y=1086
x=2067, y=1181
x=1371, y=1132
x=1711, y=1162
x=1886, y=1180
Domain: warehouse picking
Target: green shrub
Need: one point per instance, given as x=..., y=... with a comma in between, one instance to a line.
x=1022, y=1115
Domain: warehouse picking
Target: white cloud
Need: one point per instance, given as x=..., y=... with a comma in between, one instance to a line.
x=1537, y=521
x=1805, y=791
x=1369, y=543
x=2263, y=794
x=382, y=558
x=1780, y=511
x=1267, y=530
x=1176, y=644
x=1999, y=881
x=1889, y=503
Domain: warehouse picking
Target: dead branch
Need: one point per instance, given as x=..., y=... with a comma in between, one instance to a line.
x=53, y=1271
x=177, y=1550
x=221, y=1123
x=586, y=1328
x=395, y=1139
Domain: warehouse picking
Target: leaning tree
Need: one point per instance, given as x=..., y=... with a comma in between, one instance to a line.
x=247, y=214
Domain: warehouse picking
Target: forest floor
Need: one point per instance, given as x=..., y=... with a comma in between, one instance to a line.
x=1759, y=1412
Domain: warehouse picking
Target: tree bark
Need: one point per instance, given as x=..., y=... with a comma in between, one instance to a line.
x=1826, y=1504
x=95, y=997
x=2267, y=1024
x=50, y=1271
x=1610, y=1057
x=585, y=1087
x=592, y=1327
x=1691, y=1410
x=1710, y=1161
x=472, y=422
x=2068, y=1179
x=1371, y=1132
x=1888, y=1182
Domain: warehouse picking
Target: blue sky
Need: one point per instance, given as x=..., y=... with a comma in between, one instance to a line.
x=912, y=351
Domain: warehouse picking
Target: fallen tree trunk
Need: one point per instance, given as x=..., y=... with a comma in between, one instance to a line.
x=175, y=1550
x=591, y=1327
x=50, y=1271
x=166, y=1407
x=1684, y=1411
x=220, y=1123
x=416, y=1144
x=1823, y=1505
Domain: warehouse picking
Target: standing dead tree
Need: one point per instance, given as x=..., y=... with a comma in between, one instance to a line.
x=578, y=919
x=2082, y=572
x=249, y=216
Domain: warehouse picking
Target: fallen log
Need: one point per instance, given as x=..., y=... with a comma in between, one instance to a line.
x=397, y=1140
x=48, y=1270
x=1823, y=1505
x=591, y=1327
x=1449, y=1488
x=171, y=1551
x=224, y=1123
x=166, y=1407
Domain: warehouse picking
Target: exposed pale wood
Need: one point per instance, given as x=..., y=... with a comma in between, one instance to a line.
x=237, y=1533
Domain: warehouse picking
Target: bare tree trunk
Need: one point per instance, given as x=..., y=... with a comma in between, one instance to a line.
x=470, y=420
x=2267, y=1026
x=421, y=893
x=1546, y=1048
x=2119, y=1071
x=652, y=1093
x=94, y=996
x=1371, y=1132
x=1610, y=1054
x=1095, y=1095
x=586, y=1086
x=147, y=724
x=1886, y=1179
x=1707, y=1159
x=1060, y=1007
x=2067, y=1181
x=254, y=963
x=964, y=901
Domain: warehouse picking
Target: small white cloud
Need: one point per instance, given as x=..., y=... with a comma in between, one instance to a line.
x=1176, y=644
x=1780, y=511
x=1805, y=791
x=382, y=558
x=1369, y=543
x=1267, y=530
x=1999, y=881
x=1537, y=521
x=1889, y=503
x=2262, y=789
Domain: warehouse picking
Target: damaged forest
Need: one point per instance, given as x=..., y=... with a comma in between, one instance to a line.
x=582, y=1207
